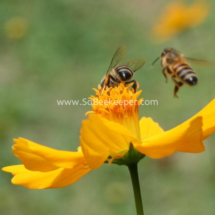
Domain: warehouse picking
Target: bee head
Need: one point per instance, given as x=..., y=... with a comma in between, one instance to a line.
x=167, y=51
x=170, y=54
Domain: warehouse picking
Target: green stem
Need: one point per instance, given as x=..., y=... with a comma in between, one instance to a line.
x=136, y=187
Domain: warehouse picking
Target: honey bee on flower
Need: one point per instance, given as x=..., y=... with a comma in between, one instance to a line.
x=122, y=73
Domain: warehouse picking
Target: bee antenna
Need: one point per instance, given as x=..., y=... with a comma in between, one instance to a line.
x=155, y=61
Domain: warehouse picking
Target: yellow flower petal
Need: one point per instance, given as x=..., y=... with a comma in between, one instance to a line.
x=52, y=179
x=149, y=128
x=45, y=167
x=186, y=137
x=101, y=138
x=208, y=119
x=41, y=158
x=15, y=169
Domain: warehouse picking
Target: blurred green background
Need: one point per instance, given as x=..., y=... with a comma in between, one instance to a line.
x=61, y=50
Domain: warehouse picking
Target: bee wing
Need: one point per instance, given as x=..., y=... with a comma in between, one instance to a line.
x=118, y=56
x=136, y=64
x=202, y=63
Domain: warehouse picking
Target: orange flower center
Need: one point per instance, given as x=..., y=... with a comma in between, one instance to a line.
x=118, y=104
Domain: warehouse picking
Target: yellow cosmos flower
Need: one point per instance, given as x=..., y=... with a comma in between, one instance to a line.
x=111, y=129
x=178, y=17
x=112, y=133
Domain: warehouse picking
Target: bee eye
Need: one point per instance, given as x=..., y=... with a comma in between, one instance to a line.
x=125, y=73
x=163, y=53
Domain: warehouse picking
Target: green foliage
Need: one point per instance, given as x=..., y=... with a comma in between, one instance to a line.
x=63, y=54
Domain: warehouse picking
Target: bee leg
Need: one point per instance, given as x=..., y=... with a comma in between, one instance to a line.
x=175, y=91
x=107, y=80
x=177, y=86
x=135, y=85
x=164, y=71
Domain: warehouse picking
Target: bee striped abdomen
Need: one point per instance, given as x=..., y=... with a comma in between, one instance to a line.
x=185, y=73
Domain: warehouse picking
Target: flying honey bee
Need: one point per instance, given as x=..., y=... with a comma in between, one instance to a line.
x=175, y=64
x=123, y=73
